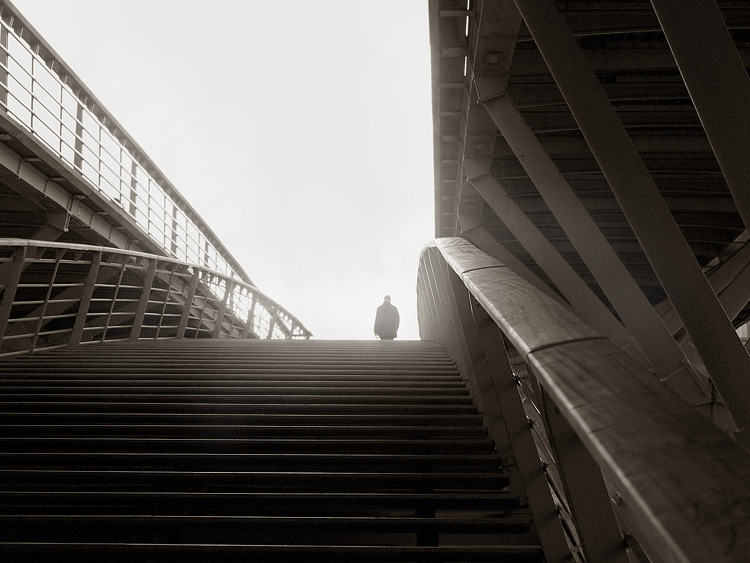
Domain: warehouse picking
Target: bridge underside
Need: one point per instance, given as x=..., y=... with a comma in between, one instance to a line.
x=598, y=149
x=498, y=104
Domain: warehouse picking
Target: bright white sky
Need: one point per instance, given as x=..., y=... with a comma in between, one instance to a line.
x=300, y=131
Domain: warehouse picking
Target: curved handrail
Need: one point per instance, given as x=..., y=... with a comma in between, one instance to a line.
x=680, y=486
x=42, y=96
x=55, y=295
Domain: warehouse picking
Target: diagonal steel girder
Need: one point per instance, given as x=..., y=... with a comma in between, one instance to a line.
x=705, y=321
x=482, y=239
x=588, y=306
x=638, y=316
x=718, y=83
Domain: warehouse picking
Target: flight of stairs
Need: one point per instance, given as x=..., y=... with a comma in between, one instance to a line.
x=220, y=450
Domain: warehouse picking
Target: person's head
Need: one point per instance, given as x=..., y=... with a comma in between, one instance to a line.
x=387, y=298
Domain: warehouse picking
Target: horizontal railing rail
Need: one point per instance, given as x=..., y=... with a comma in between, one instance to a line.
x=676, y=487
x=44, y=98
x=55, y=295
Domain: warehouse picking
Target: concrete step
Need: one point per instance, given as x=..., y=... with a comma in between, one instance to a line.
x=66, y=552
x=230, y=451
x=247, y=503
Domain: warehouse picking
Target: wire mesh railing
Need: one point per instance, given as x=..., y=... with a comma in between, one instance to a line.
x=44, y=98
x=55, y=295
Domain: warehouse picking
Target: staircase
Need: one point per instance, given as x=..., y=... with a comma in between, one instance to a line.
x=247, y=450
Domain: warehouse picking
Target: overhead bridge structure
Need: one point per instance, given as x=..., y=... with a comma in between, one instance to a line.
x=581, y=392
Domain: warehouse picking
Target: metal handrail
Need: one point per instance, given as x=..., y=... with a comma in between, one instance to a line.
x=43, y=96
x=678, y=486
x=56, y=295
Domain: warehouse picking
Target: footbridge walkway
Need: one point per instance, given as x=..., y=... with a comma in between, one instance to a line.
x=580, y=392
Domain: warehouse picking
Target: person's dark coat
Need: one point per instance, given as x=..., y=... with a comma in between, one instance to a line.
x=386, y=321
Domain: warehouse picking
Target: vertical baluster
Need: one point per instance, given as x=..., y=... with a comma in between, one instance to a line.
x=11, y=286
x=85, y=302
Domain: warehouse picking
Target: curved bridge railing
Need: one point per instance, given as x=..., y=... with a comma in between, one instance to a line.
x=620, y=468
x=56, y=295
x=41, y=96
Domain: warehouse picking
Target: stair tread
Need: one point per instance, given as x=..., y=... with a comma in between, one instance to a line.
x=303, y=550
x=212, y=450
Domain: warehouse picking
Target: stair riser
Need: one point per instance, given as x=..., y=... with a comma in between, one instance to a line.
x=217, y=446
x=330, y=452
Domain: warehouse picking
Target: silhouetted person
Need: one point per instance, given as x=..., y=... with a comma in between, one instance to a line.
x=386, y=320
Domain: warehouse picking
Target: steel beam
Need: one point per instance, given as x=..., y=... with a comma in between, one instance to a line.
x=487, y=243
x=637, y=314
x=59, y=195
x=188, y=304
x=670, y=256
x=718, y=83
x=3, y=66
x=588, y=306
x=43, y=307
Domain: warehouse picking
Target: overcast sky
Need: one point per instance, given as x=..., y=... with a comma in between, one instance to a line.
x=300, y=131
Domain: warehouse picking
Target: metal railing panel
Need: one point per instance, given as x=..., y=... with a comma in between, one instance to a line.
x=44, y=98
x=680, y=487
x=55, y=294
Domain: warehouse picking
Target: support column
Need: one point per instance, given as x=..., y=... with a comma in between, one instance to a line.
x=718, y=84
x=669, y=254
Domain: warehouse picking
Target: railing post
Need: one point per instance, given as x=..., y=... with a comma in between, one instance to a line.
x=78, y=143
x=11, y=285
x=43, y=309
x=223, y=308
x=148, y=282
x=83, y=306
x=114, y=298
x=4, y=62
x=250, y=317
x=133, y=187
x=588, y=306
x=272, y=321
x=188, y=304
